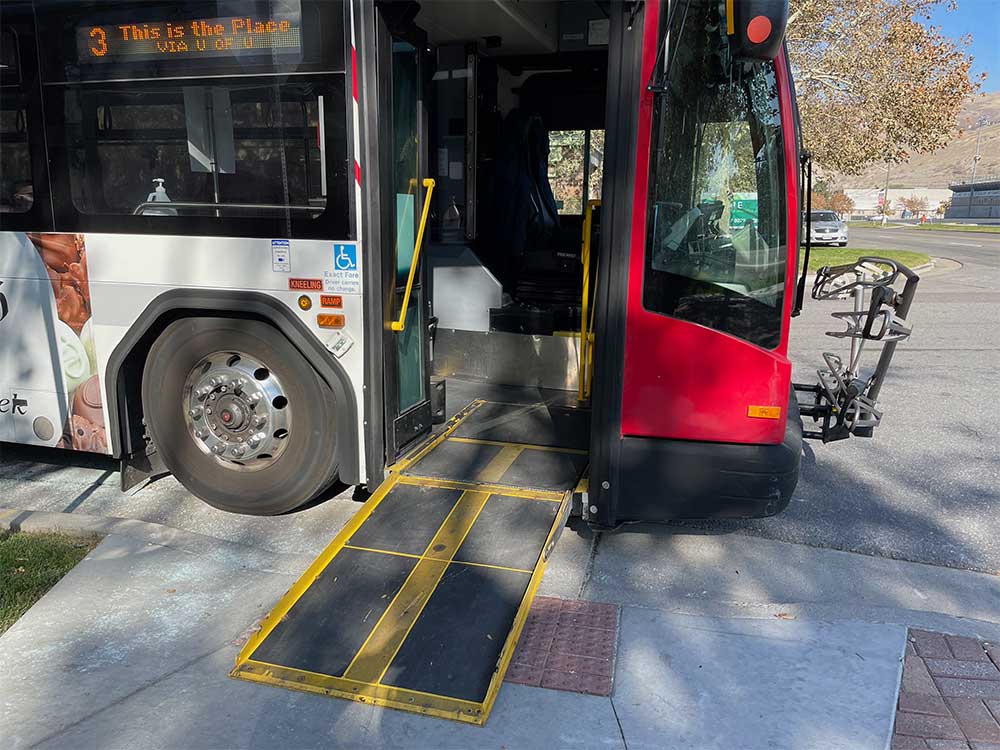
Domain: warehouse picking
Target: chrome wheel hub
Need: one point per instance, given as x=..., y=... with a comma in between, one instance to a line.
x=237, y=411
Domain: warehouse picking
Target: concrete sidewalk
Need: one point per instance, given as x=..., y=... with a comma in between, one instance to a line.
x=133, y=647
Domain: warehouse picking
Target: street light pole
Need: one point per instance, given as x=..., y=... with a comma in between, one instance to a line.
x=975, y=162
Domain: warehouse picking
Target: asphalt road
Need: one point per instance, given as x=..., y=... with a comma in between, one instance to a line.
x=925, y=488
x=976, y=247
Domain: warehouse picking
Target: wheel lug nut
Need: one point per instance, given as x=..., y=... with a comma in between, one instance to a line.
x=238, y=451
x=259, y=421
x=201, y=434
x=218, y=449
x=195, y=413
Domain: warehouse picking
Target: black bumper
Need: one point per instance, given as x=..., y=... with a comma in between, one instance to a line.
x=662, y=480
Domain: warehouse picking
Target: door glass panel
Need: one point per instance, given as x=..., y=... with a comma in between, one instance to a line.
x=405, y=152
x=410, y=353
x=406, y=184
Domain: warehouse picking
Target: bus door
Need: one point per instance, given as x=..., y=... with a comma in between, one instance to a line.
x=403, y=194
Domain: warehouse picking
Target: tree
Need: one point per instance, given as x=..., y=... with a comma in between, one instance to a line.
x=821, y=193
x=841, y=203
x=943, y=206
x=820, y=201
x=884, y=208
x=875, y=83
x=914, y=204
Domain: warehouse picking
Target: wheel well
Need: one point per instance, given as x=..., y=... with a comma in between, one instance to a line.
x=127, y=362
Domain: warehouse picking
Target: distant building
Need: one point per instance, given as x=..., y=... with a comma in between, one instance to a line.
x=975, y=200
x=868, y=200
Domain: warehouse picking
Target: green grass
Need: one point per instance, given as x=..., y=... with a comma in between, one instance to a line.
x=958, y=228
x=837, y=256
x=31, y=564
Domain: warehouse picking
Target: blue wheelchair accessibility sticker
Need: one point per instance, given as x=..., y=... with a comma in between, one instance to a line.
x=345, y=278
x=345, y=257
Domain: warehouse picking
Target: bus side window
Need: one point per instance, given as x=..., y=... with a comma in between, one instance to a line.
x=16, y=190
x=245, y=150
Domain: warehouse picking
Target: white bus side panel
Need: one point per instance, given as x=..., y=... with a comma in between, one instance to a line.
x=127, y=272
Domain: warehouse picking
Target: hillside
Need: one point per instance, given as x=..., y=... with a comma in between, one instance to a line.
x=953, y=163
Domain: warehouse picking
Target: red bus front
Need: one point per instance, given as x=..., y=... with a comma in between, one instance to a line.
x=693, y=412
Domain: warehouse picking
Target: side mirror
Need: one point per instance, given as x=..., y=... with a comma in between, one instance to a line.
x=756, y=28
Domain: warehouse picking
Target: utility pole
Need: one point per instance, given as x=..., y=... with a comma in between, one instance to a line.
x=885, y=195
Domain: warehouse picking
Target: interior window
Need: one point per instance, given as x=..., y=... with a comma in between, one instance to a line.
x=576, y=168
x=716, y=247
x=238, y=149
x=566, y=150
x=15, y=157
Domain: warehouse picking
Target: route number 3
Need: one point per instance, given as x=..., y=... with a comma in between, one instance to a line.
x=100, y=48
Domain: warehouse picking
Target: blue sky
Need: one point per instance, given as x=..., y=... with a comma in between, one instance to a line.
x=981, y=18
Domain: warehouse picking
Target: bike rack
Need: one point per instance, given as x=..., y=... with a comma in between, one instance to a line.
x=843, y=402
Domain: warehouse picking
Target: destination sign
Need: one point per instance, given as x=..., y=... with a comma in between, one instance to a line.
x=200, y=38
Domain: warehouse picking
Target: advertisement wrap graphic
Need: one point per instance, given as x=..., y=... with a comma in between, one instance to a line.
x=65, y=259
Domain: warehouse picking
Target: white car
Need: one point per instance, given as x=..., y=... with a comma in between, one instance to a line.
x=827, y=228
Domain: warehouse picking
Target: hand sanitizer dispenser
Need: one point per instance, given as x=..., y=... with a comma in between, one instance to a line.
x=159, y=195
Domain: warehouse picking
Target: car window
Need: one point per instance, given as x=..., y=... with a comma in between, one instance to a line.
x=824, y=216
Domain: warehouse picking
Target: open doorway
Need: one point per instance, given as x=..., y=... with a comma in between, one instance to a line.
x=513, y=115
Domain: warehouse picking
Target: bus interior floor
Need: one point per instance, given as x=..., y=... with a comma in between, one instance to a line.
x=462, y=390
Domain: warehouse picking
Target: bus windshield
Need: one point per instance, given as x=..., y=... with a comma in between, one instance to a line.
x=716, y=249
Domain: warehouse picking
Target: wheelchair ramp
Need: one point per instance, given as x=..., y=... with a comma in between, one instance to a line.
x=419, y=601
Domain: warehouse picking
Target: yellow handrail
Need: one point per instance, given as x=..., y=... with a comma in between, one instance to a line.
x=399, y=325
x=583, y=380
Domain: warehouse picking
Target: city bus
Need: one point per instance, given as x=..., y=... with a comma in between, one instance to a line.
x=495, y=263
x=266, y=246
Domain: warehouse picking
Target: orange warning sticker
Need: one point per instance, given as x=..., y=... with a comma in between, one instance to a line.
x=330, y=320
x=331, y=300
x=306, y=285
x=764, y=412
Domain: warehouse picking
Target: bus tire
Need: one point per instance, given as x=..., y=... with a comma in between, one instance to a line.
x=239, y=416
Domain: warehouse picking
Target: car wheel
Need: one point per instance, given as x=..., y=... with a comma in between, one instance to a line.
x=239, y=416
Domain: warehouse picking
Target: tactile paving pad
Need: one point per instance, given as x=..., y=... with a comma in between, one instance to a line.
x=567, y=644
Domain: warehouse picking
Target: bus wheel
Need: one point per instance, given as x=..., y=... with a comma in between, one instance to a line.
x=239, y=416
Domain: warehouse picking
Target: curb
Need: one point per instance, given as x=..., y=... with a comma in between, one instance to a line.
x=811, y=278
x=82, y=524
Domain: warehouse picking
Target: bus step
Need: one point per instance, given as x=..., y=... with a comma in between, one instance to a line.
x=418, y=602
